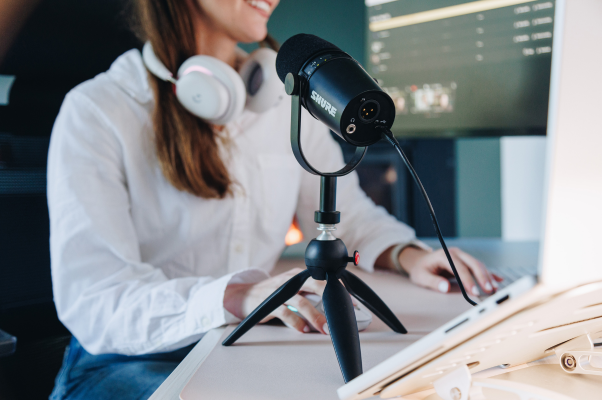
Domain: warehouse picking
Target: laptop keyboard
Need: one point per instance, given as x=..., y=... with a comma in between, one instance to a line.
x=512, y=274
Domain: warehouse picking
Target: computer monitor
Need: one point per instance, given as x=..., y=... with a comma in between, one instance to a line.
x=463, y=68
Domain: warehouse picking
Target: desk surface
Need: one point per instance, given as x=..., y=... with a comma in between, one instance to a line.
x=277, y=362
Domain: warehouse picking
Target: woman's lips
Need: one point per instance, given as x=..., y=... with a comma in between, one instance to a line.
x=261, y=6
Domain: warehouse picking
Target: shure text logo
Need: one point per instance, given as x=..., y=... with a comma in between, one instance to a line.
x=323, y=103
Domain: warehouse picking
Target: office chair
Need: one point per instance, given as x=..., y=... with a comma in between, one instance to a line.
x=26, y=307
x=61, y=44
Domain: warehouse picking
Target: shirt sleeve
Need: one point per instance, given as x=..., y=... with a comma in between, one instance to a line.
x=109, y=299
x=364, y=226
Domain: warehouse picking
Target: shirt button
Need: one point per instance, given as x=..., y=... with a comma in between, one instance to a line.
x=205, y=322
x=239, y=248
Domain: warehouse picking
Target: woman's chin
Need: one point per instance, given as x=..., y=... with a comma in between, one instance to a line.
x=252, y=34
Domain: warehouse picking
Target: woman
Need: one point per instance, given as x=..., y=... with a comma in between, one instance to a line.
x=164, y=226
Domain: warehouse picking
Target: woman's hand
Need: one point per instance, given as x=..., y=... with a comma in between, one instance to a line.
x=242, y=299
x=432, y=270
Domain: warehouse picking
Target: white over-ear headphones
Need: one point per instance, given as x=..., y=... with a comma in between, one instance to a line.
x=212, y=90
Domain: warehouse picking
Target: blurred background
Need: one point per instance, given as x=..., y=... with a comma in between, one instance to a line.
x=471, y=98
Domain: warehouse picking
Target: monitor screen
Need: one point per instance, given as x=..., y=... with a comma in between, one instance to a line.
x=463, y=68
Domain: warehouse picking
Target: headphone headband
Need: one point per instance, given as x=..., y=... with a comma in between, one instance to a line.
x=154, y=65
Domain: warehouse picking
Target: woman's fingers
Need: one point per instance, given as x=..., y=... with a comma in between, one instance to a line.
x=299, y=302
x=477, y=268
x=317, y=287
x=268, y=318
x=309, y=312
x=432, y=269
x=426, y=278
x=291, y=320
x=463, y=271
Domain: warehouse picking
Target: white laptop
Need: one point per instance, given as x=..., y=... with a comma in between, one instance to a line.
x=527, y=320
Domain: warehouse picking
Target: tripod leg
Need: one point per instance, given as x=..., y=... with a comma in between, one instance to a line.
x=276, y=299
x=343, y=328
x=358, y=289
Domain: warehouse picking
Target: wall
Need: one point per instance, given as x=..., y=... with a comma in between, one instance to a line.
x=338, y=21
x=478, y=197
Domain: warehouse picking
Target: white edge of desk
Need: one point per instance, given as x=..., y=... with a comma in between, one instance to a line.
x=170, y=389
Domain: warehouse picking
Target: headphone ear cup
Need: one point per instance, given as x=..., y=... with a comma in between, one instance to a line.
x=264, y=88
x=202, y=95
x=211, y=81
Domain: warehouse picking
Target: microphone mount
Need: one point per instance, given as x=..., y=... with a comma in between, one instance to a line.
x=327, y=213
x=292, y=85
x=326, y=258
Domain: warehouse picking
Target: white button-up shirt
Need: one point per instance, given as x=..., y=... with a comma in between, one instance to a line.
x=140, y=267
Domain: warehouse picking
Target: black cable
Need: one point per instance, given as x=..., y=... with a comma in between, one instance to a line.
x=388, y=136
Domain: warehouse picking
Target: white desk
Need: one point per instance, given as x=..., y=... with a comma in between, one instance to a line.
x=280, y=363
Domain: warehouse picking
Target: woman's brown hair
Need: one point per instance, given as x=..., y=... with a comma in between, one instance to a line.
x=187, y=146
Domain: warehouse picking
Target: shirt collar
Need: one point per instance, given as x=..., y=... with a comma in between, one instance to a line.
x=129, y=72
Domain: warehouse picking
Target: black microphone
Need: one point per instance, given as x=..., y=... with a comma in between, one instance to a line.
x=336, y=90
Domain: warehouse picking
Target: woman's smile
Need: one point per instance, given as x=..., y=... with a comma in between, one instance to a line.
x=263, y=7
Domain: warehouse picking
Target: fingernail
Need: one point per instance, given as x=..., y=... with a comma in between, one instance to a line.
x=325, y=328
x=495, y=285
x=443, y=286
x=488, y=287
x=475, y=291
x=306, y=329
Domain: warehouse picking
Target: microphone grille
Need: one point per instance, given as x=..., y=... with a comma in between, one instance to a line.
x=297, y=50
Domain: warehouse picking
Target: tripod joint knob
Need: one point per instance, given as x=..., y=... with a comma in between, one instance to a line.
x=355, y=259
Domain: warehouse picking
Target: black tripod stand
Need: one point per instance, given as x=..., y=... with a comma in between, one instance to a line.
x=326, y=258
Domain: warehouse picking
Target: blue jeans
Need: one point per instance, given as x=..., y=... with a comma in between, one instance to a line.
x=112, y=376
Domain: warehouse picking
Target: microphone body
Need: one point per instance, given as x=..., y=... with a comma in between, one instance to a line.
x=336, y=90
